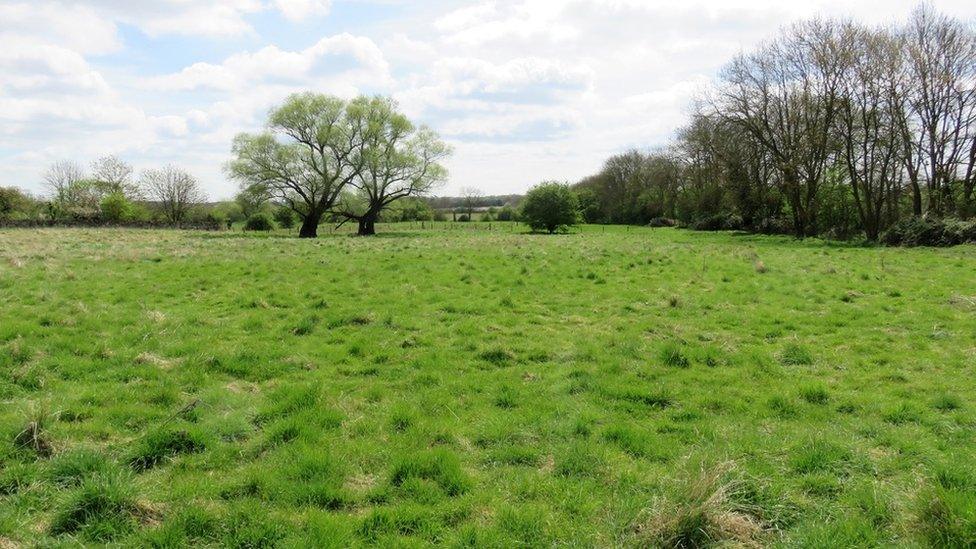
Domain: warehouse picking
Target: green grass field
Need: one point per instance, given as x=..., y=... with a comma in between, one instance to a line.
x=612, y=387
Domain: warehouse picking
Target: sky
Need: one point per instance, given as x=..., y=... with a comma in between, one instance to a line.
x=524, y=91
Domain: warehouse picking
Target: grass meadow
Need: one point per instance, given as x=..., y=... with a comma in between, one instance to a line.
x=610, y=387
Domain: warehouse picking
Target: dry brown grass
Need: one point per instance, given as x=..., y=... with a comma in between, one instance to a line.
x=702, y=515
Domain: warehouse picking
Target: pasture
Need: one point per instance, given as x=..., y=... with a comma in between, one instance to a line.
x=610, y=387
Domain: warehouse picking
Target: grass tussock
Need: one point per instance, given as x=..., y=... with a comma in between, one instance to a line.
x=439, y=466
x=946, y=507
x=164, y=444
x=103, y=508
x=702, y=513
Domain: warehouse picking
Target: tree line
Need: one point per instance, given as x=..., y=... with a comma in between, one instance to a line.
x=831, y=128
x=109, y=192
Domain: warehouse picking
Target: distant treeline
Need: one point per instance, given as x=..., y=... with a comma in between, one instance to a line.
x=478, y=202
x=831, y=129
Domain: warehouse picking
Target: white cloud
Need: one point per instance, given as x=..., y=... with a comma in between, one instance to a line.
x=524, y=89
x=273, y=63
x=298, y=10
x=76, y=27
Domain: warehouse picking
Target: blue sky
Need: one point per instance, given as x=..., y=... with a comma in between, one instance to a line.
x=523, y=90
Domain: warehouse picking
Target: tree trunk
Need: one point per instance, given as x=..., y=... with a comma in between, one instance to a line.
x=367, y=225
x=310, y=226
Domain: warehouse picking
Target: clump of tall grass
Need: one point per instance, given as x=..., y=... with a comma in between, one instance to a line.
x=795, y=355
x=947, y=508
x=438, y=466
x=166, y=443
x=101, y=509
x=703, y=513
x=33, y=436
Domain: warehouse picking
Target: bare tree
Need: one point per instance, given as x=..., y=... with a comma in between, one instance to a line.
x=941, y=54
x=868, y=125
x=470, y=196
x=60, y=176
x=115, y=175
x=399, y=160
x=786, y=96
x=175, y=192
x=311, y=150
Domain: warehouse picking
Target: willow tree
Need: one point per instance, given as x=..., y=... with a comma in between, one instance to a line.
x=398, y=160
x=311, y=149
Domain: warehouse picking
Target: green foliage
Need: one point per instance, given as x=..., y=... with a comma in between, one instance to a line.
x=252, y=199
x=284, y=217
x=15, y=204
x=259, y=222
x=719, y=222
x=921, y=231
x=414, y=209
x=116, y=208
x=507, y=213
x=550, y=207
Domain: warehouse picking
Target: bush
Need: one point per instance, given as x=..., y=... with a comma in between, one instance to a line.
x=284, y=217
x=919, y=231
x=115, y=208
x=14, y=204
x=259, y=222
x=506, y=214
x=773, y=225
x=719, y=222
x=551, y=207
x=463, y=218
x=662, y=222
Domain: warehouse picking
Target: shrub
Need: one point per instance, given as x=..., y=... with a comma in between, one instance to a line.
x=550, y=207
x=662, y=222
x=773, y=225
x=14, y=204
x=115, y=207
x=506, y=214
x=463, y=218
x=259, y=222
x=919, y=231
x=285, y=218
x=718, y=222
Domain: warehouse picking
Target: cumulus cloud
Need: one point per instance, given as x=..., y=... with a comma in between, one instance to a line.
x=298, y=10
x=274, y=64
x=524, y=89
